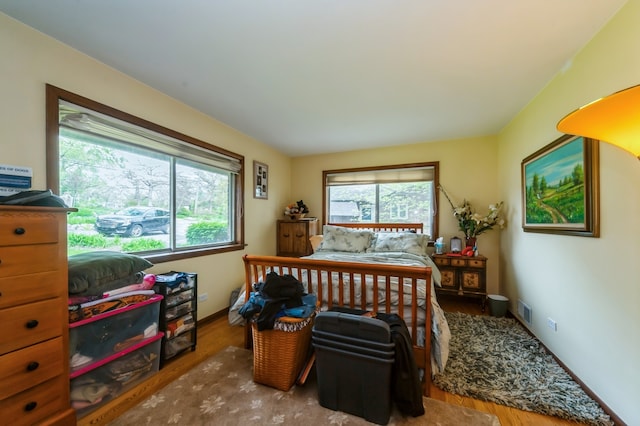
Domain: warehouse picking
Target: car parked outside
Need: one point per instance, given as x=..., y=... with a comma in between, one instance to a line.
x=134, y=222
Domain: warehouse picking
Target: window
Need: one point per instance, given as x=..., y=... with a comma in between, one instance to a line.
x=399, y=211
x=390, y=194
x=139, y=187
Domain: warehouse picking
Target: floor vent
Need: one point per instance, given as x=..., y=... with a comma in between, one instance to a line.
x=524, y=311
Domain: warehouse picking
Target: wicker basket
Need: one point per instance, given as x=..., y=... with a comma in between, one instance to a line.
x=278, y=355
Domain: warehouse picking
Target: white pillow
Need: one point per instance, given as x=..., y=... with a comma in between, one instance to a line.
x=340, y=238
x=406, y=242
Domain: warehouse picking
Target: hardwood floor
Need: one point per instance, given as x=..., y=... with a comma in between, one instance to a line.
x=217, y=334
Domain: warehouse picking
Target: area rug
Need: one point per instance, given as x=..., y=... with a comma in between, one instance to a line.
x=221, y=391
x=496, y=359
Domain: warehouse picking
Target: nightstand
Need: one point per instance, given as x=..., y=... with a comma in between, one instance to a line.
x=463, y=276
x=292, y=237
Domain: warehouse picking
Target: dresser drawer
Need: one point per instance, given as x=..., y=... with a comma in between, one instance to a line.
x=37, y=403
x=20, y=370
x=458, y=262
x=28, y=228
x=442, y=261
x=31, y=323
x=31, y=288
x=22, y=260
x=178, y=298
x=476, y=263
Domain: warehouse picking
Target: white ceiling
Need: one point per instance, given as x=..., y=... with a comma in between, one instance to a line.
x=333, y=75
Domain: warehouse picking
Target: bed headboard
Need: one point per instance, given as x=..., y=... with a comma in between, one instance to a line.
x=384, y=227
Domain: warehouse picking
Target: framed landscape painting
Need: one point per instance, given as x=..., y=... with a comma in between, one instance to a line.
x=560, y=188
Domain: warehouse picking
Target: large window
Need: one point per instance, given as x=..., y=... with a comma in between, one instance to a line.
x=391, y=194
x=137, y=186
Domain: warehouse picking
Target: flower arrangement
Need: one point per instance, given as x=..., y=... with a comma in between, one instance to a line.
x=470, y=222
x=297, y=209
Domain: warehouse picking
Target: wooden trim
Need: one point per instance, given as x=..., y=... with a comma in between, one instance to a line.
x=216, y=315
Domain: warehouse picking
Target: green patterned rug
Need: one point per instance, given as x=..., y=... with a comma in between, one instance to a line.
x=496, y=359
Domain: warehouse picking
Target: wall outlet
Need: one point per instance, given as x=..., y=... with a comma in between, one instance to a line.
x=552, y=324
x=202, y=297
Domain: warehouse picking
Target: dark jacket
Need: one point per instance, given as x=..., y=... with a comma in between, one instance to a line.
x=406, y=389
x=278, y=292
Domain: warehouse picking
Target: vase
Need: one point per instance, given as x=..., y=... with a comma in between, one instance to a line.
x=470, y=242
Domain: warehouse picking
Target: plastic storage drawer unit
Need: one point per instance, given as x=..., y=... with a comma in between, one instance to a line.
x=100, y=382
x=354, y=364
x=100, y=336
x=178, y=312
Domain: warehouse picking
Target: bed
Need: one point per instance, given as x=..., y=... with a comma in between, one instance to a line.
x=360, y=266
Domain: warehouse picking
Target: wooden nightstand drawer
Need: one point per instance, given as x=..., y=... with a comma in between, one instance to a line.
x=474, y=263
x=458, y=262
x=20, y=370
x=442, y=261
x=30, y=324
x=27, y=228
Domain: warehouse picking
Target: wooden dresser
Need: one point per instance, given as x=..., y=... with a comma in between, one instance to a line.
x=463, y=276
x=34, y=347
x=292, y=237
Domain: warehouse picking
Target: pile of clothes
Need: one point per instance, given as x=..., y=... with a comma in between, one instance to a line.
x=277, y=296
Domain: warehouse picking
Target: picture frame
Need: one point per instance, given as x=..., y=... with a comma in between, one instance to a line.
x=560, y=188
x=260, y=180
x=455, y=244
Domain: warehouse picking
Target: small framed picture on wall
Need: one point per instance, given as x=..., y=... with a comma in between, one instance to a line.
x=260, y=180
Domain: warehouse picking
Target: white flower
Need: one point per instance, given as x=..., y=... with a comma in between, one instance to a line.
x=472, y=223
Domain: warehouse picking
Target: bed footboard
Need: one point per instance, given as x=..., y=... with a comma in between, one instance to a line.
x=325, y=278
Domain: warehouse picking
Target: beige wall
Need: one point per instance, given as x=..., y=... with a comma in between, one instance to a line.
x=590, y=286
x=468, y=169
x=30, y=60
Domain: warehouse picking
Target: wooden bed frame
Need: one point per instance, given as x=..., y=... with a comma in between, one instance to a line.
x=384, y=227
x=324, y=272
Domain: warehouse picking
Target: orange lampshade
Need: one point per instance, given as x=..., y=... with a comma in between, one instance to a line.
x=614, y=119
